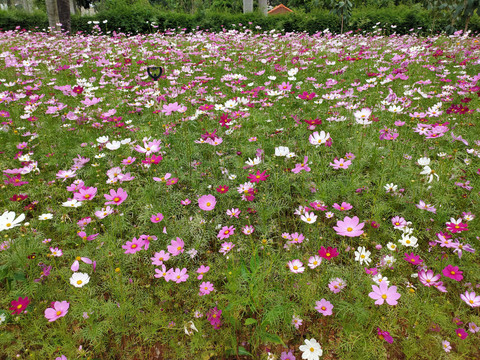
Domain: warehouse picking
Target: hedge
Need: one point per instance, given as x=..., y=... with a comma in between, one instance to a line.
x=136, y=19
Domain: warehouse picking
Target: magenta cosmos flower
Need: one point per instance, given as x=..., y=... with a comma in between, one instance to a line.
x=116, y=197
x=384, y=293
x=462, y=334
x=207, y=202
x=384, y=335
x=85, y=194
x=324, y=307
x=349, y=227
x=413, y=259
x=59, y=309
x=453, y=273
x=19, y=305
x=226, y=232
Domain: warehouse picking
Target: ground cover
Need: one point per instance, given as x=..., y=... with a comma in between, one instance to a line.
x=272, y=196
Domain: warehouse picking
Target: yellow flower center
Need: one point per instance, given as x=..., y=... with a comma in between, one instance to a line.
x=87, y=196
x=208, y=204
x=59, y=313
x=79, y=282
x=78, y=258
x=384, y=296
x=134, y=246
x=117, y=199
x=327, y=254
x=19, y=306
x=312, y=349
x=452, y=272
x=9, y=224
x=349, y=229
x=324, y=308
x=295, y=267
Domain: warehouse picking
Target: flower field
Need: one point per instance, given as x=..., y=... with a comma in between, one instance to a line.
x=271, y=196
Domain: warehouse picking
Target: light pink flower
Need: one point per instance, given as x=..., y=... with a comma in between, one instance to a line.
x=176, y=247
x=207, y=202
x=59, y=309
x=384, y=293
x=324, y=307
x=116, y=197
x=160, y=257
x=471, y=299
x=349, y=227
x=226, y=232
x=296, y=266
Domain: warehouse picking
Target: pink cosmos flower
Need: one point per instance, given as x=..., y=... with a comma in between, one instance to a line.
x=226, y=232
x=76, y=264
x=85, y=194
x=128, y=161
x=100, y=214
x=207, y=202
x=324, y=307
x=131, y=247
x=336, y=285
x=446, y=346
x=178, y=275
x=422, y=205
x=428, y=278
x=302, y=166
x=343, y=207
x=161, y=273
x=454, y=228
x=452, y=272
x=349, y=227
x=160, y=257
x=56, y=252
x=59, y=309
x=258, y=177
x=185, y=202
x=340, y=164
x=248, y=229
x=398, y=222
x=233, y=212
x=226, y=247
x=297, y=322
x=156, y=218
x=176, y=247
x=328, y=253
x=116, y=197
x=384, y=335
x=86, y=237
x=206, y=288
x=296, y=266
x=471, y=299
x=213, y=315
x=473, y=328
x=202, y=270
x=384, y=293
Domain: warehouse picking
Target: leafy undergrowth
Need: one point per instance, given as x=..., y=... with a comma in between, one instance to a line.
x=272, y=195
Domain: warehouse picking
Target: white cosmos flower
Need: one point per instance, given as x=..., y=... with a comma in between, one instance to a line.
x=72, y=203
x=430, y=173
x=318, y=139
x=102, y=139
x=282, y=151
x=391, y=246
x=47, y=216
x=409, y=241
x=390, y=187
x=379, y=279
x=8, y=221
x=114, y=145
x=253, y=162
x=424, y=161
x=311, y=350
x=362, y=255
x=79, y=279
x=309, y=218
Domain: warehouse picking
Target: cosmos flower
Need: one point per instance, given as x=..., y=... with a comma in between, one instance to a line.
x=350, y=227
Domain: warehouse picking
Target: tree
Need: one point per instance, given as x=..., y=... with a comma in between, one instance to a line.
x=247, y=6
x=52, y=13
x=64, y=15
x=343, y=9
x=263, y=6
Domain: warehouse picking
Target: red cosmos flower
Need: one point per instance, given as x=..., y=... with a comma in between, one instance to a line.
x=258, y=177
x=328, y=253
x=19, y=305
x=222, y=189
x=454, y=228
x=77, y=90
x=19, y=197
x=453, y=273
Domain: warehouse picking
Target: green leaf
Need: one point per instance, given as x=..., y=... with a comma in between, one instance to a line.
x=271, y=338
x=250, y=321
x=243, y=351
x=19, y=276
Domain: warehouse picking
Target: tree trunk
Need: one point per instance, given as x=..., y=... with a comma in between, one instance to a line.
x=27, y=5
x=52, y=13
x=64, y=15
x=467, y=21
x=72, y=7
x=247, y=6
x=262, y=4
x=10, y=4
